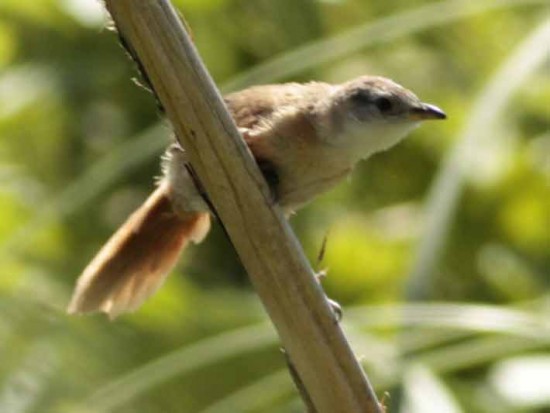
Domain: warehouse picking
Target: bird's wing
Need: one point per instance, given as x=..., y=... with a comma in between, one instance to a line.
x=256, y=107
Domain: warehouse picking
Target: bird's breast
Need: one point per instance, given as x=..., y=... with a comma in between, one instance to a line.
x=306, y=172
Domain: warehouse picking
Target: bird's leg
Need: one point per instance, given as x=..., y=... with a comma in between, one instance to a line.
x=321, y=274
x=334, y=305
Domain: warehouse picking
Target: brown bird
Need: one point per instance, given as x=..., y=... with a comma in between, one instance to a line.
x=305, y=138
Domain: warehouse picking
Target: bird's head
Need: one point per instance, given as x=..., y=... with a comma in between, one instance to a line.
x=370, y=114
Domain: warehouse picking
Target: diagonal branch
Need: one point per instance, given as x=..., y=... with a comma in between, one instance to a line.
x=262, y=237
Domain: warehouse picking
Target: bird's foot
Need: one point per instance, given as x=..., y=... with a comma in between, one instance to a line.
x=335, y=306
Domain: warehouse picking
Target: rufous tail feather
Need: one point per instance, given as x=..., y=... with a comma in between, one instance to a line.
x=135, y=261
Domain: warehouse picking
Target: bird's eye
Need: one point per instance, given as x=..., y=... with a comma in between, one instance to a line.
x=383, y=104
x=361, y=98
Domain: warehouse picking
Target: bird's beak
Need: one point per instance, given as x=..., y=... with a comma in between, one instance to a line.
x=426, y=111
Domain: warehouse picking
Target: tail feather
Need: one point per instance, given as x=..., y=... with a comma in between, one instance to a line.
x=134, y=263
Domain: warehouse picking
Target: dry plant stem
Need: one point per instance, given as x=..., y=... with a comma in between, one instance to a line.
x=263, y=239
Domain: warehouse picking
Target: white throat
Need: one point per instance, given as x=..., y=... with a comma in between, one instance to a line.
x=365, y=139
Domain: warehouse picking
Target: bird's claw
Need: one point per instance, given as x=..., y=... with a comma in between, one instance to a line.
x=335, y=307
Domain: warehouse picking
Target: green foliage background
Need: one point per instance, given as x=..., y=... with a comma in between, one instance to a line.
x=439, y=249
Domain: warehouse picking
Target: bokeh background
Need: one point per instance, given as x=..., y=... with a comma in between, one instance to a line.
x=439, y=250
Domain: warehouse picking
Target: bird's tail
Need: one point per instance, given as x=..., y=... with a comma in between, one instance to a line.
x=134, y=263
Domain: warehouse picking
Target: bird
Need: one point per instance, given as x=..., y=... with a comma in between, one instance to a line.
x=305, y=138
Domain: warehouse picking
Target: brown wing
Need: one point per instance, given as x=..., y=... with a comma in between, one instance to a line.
x=256, y=105
x=275, y=124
